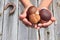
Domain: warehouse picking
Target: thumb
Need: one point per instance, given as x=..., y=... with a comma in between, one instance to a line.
x=53, y=19
x=24, y=13
x=22, y=16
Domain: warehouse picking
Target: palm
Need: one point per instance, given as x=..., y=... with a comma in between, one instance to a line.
x=27, y=4
x=46, y=24
x=23, y=17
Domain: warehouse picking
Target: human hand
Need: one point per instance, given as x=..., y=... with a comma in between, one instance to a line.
x=46, y=17
x=45, y=4
x=42, y=23
x=23, y=16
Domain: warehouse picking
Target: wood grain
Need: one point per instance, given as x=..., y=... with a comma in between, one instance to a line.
x=11, y=28
x=1, y=18
x=25, y=33
x=43, y=31
x=33, y=33
x=10, y=23
x=56, y=10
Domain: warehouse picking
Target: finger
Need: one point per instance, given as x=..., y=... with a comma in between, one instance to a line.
x=35, y=26
x=38, y=28
x=22, y=16
x=24, y=13
x=27, y=22
x=53, y=19
x=48, y=23
x=40, y=25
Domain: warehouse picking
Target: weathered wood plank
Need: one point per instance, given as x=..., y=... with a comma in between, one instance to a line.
x=33, y=33
x=10, y=23
x=22, y=29
x=43, y=34
x=51, y=29
x=51, y=32
x=43, y=31
x=25, y=33
x=56, y=10
x=1, y=17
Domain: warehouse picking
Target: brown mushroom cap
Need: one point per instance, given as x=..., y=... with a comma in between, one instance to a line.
x=45, y=14
x=31, y=10
x=32, y=16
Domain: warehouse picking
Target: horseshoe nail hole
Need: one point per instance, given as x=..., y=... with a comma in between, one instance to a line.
x=58, y=4
x=48, y=33
x=0, y=34
x=11, y=6
x=0, y=14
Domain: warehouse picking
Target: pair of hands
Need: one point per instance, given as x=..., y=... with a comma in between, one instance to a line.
x=23, y=18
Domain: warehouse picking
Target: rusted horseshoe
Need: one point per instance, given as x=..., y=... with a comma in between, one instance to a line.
x=10, y=5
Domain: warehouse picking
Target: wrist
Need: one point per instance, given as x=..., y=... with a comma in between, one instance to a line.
x=25, y=3
x=45, y=3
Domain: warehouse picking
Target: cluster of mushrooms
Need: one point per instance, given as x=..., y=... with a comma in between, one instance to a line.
x=35, y=17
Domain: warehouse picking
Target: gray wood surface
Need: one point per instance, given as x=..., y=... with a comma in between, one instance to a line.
x=10, y=23
x=1, y=17
x=11, y=28
x=51, y=27
x=33, y=33
x=56, y=9
x=22, y=29
x=25, y=33
x=43, y=31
